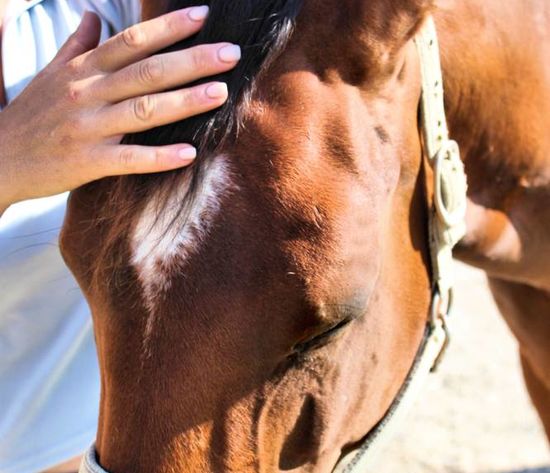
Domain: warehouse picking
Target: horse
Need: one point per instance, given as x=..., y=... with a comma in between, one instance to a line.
x=261, y=311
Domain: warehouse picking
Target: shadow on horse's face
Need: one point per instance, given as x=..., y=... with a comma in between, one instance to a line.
x=273, y=329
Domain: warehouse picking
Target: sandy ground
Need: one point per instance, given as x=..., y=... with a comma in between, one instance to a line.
x=474, y=415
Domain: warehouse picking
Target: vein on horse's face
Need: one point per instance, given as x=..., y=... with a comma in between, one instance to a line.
x=160, y=245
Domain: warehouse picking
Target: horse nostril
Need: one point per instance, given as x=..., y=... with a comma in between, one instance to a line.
x=303, y=442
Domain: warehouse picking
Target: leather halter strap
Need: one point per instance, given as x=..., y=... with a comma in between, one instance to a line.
x=447, y=227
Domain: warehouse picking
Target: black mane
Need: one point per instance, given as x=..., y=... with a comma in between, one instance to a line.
x=261, y=28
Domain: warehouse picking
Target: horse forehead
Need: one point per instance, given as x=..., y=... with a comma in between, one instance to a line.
x=159, y=243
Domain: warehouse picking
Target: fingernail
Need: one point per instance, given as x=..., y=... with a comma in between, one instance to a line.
x=187, y=154
x=198, y=13
x=217, y=90
x=230, y=53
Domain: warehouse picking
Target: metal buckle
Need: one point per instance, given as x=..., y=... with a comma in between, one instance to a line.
x=450, y=184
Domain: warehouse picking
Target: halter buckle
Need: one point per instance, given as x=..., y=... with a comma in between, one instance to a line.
x=450, y=185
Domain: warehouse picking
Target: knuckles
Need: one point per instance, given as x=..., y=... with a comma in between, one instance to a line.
x=205, y=59
x=133, y=37
x=151, y=71
x=194, y=98
x=127, y=158
x=73, y=68
x=173, y=24
x=143, y=108
x=200, y=58
x=74, y=93
x=75, y=83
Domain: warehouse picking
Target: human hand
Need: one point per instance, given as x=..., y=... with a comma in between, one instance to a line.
x=65, y=128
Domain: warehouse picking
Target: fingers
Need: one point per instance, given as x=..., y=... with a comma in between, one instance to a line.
x=150, y=111
x=167, y=71
x=144, y=39
x=127, y=159
x=85, y=38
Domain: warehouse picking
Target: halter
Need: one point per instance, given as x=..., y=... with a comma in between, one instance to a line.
x=447, y=227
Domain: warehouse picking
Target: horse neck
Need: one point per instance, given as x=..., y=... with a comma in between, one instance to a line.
x=495, y=97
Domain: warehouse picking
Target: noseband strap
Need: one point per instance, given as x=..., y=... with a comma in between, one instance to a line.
x=447, y=226
x=89, y=462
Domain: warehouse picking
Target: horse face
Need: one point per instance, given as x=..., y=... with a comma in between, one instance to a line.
x=271, y=328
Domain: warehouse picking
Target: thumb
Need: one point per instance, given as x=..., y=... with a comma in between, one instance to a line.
x=85, y=37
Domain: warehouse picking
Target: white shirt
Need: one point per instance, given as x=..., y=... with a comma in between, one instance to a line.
x=49, y=382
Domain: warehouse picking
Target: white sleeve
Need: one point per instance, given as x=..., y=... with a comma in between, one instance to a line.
x=129, y=12
x=119, y=14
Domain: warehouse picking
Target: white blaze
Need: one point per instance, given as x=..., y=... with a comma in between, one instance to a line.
x=160, y=243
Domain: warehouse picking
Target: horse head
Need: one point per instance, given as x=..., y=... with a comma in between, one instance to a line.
x=260, y=311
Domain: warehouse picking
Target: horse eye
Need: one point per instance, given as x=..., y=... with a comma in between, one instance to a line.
x=321, y=339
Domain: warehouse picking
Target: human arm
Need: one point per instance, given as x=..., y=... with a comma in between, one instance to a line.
x=65, y=128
